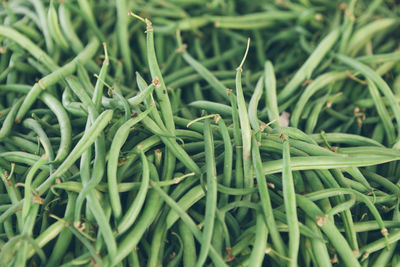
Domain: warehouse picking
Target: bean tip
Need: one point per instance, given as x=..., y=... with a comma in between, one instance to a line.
x=385, y=232
x=240, y=68
x=228, y=255
x=321, y=220
x=364, y=256
x=334, y=259
x=156, y=82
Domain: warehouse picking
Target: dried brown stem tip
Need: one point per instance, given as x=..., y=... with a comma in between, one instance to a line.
x=149, y=27
x=156, y=83
x=322, y=220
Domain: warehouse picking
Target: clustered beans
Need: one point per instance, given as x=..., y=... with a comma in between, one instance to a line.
x=199, y=133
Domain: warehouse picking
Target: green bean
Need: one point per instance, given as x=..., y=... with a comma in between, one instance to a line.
x=382, y=181
x=85, y=13
x=9, y=250
x=189, y=251
x=160, y=89
x=133, y=155
x=211, y=196
x=318, y=84
x=189, y=222
x=308, y=67
x=177, y=150
x=20, y=26
x=98, y=89
x=270, y=93
x=85, y=258
x=329, y=229
x=54, y=77
x=253, y=105
x=228, y=158
x=383, y=114
x=379, y=244
x=149, y=100
x=119, y=139
x=150, y=211
x=88, y=138
x=344, y=138
x=95, y=207
x=51, y=232
x=83, y=95
x=67, y=28
x=318, y=246
x=235, y=191
x=21, y=157
x=54, y=28
x=136, y=100
x=245, y=126
x=314, y=114
x=380, y=83
x=252, y=21
x=209, y=106
x=130, y=216
x=325, y=162
x=13, y=193
x=293, y=133
x=162, y=95
x=27, y=44
x=368, y=203
x=37, y=128
x=206, y=64
x=238, y=142
x=258, y=252
x=290, y=204
x=342, y=207
x=206, y=74
x=348, y=26
x=379, y=58
x=364, y=34
x=265, y=199
x=11, y=210
x=24, y=239
x=27, y=186
x=84, y=79
x=81, y=238
x=359, y=177
x=74, y=108
x=65, y=236
x=104, y=226
x=312, y=149
x=43, y=23
x=65, y=125
x=123, y=41
x=242, y=244
x=157, y=246
x=175, y=261
x=9, y=121
x=386, y=255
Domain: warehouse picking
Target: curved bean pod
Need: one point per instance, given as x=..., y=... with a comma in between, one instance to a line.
x=87, y=139
x=119, y=139
x=56, y=76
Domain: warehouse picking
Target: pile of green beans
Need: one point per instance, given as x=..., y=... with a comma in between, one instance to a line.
x=199, y=133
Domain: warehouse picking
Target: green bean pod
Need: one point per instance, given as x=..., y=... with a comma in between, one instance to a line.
x=211, y=195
